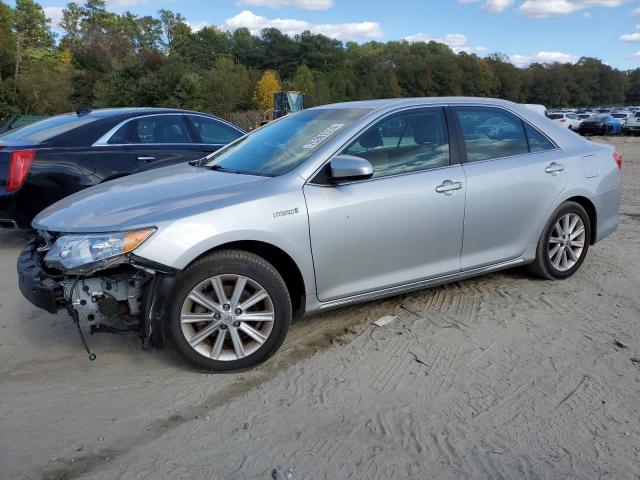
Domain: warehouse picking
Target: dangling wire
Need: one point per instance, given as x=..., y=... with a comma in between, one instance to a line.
x=74, y=315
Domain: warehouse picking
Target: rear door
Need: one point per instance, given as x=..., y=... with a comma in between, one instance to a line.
x=211, y=133
x=160, y=140
x=513, y=178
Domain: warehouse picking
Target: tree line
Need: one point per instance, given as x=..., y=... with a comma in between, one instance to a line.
x=106, y=59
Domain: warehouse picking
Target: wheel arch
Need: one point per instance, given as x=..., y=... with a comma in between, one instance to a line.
x=590, y=208
x=283, y=263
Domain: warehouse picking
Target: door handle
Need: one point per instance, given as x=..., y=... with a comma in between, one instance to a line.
x=147, y=158
x=448, y=187
x=554, y=168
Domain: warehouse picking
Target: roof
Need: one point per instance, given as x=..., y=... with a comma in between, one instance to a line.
x=111, y=112
x=401, y=102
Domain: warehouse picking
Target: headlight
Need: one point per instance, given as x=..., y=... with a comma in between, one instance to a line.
x=72, y=251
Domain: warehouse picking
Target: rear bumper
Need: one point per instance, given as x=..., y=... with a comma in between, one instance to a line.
x=607, y=211
x=35, y=285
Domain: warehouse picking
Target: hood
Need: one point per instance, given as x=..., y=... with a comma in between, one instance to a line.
x=146, y=199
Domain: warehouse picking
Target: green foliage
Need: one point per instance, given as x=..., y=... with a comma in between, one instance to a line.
x=110, y=59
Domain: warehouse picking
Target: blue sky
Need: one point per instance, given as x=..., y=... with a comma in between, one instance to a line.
x=526, y=30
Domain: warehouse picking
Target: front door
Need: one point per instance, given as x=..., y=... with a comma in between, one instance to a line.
x=402, y=225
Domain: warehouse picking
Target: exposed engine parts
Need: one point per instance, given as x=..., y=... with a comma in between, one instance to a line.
x=107, y=300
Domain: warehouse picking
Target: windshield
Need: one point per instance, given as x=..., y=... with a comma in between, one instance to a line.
x=556, y=116
x=278, y=148
x=46, y=129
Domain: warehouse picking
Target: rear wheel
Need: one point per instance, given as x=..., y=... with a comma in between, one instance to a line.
x=564, y=243
x=232, y=311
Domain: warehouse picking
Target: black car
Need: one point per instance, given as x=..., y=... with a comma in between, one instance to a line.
x=45, y=161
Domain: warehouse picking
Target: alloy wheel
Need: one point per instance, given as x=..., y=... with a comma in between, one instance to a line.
x=566, y=242
x=227, y=317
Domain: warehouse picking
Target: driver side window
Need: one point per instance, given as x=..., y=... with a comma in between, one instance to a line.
x=406, y=142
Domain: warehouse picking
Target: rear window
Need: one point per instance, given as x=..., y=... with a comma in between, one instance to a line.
x=555, y=116
x=47, y=129
x=619, y=115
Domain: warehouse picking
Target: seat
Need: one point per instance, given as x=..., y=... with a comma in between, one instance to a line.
x=171, y=134
x=370, y=140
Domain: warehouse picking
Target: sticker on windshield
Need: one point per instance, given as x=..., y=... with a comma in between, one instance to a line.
x=322, y=136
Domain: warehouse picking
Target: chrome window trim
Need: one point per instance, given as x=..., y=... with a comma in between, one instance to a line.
x=103, y=141
x=309, y=180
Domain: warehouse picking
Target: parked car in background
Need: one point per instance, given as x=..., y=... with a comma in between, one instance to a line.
x=16, y=121
x=219, y=255
x=540, y=109
x=45, y=161
x=567, y=120
x=622, y=117
x=601, y=124
x=583, y=117
x=632, y=126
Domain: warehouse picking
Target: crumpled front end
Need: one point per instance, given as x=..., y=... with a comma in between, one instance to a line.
x=109, y=296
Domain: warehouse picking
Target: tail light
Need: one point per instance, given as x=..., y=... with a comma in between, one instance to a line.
x=19, y=168
x=563, y=120
x=617, y=156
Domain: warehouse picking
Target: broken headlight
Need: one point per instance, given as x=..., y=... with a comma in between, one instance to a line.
x=72, y=252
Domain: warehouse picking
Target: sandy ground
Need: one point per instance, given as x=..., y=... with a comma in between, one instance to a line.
x=502, y=376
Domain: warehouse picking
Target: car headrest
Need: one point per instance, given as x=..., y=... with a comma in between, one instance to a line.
x=426, y=130
x=371, y=139
x=171, y=133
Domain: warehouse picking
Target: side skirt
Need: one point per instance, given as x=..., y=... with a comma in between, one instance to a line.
x=410, y=287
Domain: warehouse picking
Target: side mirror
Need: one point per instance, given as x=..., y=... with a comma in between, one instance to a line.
x=350, y=167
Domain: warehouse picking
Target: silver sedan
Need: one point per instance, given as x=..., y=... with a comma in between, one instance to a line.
x=330, y=206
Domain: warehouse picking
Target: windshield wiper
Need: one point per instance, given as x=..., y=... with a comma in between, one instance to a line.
x=199, y=162
x=219, y=168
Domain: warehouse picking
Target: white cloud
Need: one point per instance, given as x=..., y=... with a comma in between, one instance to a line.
x=290, y=26
x=54, y=14
x=301, y=4
x=198, y=25
x=631, y=37
x=636, y=55
x=493, y=6
x=497, y=6
x=547, y=8
x=543, y=57
x=636, y=11
x=456, y=41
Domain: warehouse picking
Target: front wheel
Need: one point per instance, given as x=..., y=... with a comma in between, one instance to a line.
x=231, y=311
x=564, y=242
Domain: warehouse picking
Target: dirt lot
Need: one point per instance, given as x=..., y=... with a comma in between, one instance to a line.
x=502, y=376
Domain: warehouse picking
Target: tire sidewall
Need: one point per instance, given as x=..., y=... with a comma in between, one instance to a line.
x=227, y=264
x=564, y=209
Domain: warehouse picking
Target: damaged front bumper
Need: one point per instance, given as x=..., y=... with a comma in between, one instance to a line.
x=36, y=286
x=133, y=295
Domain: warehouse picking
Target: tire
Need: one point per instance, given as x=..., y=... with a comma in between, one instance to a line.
x=544, y=266
x=226, y=269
